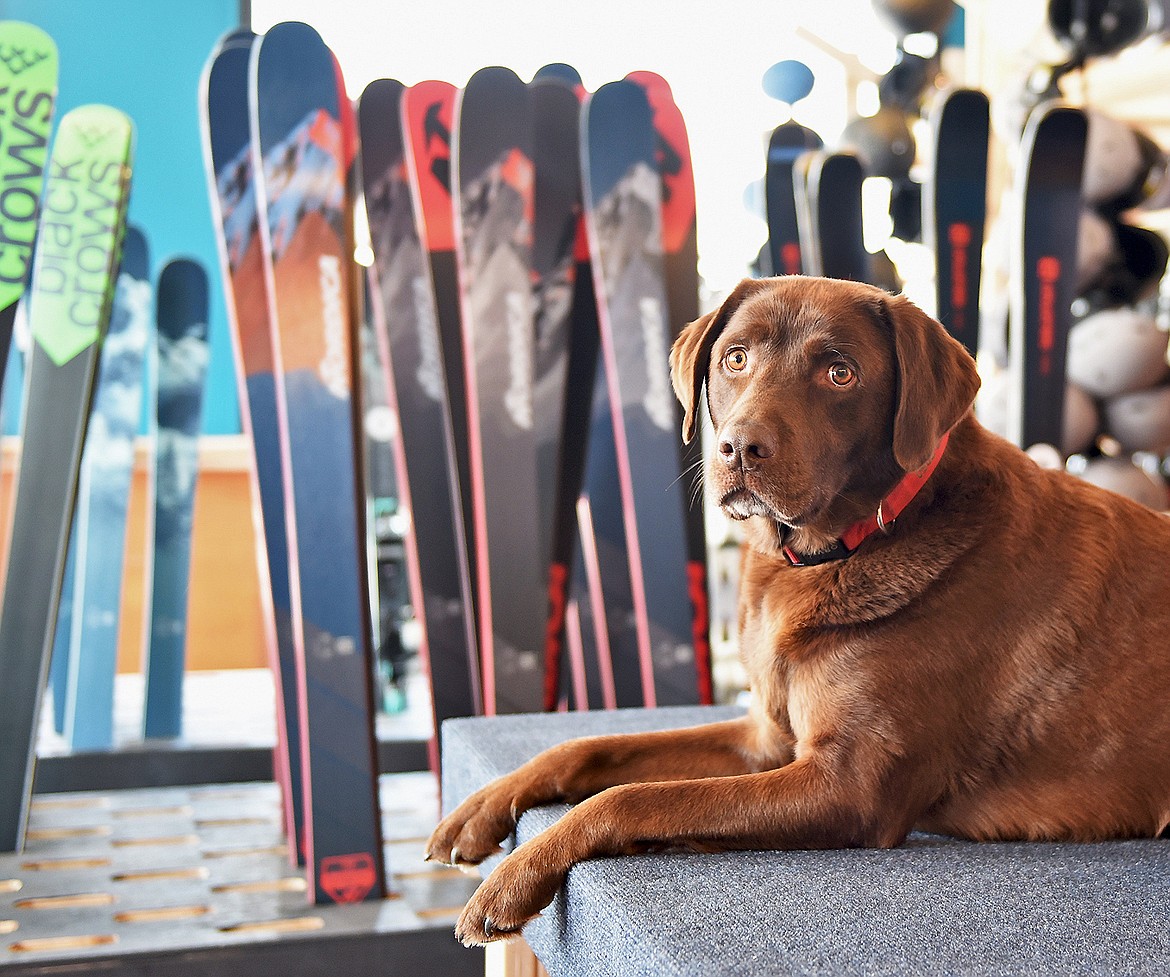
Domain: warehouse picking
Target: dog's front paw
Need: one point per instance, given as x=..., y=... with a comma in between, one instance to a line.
x=519, y=888
x=474, y=830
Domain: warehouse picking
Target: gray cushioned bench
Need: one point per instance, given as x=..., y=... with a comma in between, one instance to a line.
x=933, y=906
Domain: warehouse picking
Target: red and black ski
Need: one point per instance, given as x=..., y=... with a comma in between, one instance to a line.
x=954, y=209
x=1044, y=271
x=428, y=475
x=680, y=257
x=622, y=197
x=300, y=165
x=428, y=109
x=493, y=193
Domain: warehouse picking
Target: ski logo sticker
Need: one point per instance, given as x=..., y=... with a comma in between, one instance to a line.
x=20, y=59
x=1048, y=274
x=959, y=236
x=332, y=369
x=658, y=401
x=790, y=258
x=348, y=878
x=430, y=368
x=26, y=113
x=435, y=128
x=518, y=399
x=80, y=234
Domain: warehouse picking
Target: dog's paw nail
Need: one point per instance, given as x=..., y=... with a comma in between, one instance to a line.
x=489, y=928
x=454, y=860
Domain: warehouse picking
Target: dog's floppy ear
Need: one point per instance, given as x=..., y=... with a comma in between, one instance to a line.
x=691, y=353
x=937, y=382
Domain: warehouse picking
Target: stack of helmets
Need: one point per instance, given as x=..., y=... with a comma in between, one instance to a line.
x=1117, y=354
x=1117, y=401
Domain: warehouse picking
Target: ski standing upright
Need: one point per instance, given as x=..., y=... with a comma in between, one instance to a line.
x=299, y=167
x=79, y=242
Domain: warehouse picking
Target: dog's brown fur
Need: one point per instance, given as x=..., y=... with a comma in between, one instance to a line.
x=997, y=667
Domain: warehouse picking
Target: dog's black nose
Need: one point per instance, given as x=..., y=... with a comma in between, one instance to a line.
x=745, y=446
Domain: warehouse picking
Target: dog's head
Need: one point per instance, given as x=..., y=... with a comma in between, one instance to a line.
x=823, y=394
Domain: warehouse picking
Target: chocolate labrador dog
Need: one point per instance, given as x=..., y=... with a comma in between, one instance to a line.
x=940, y=634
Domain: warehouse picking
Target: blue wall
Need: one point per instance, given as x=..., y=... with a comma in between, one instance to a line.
x=145, y=57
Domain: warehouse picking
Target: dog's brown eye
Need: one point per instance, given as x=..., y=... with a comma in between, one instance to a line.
x=735, y=359
x=841, y=374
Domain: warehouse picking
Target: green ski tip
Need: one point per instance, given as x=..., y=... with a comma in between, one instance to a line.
x=83, y=218
x=28, y=86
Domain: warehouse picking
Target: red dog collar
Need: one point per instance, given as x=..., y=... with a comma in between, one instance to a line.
x=888, y=510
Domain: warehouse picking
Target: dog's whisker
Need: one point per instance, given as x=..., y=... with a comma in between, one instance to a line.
x=697, y=487
x=696, y=466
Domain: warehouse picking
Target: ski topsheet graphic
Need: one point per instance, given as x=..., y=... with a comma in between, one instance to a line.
x=300, y=165
x=81, y=227
x=954, y=209
x=404, y=307
x=1044, y=271
x=85, y=654
x=28, y=87
x=181, y=368
x=622, y=194
x=680, y=258
x=228, y=157
x=493, y=189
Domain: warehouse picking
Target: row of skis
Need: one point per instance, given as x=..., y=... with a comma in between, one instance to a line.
x=533, y=256
x=813, y=208
x=104, y=337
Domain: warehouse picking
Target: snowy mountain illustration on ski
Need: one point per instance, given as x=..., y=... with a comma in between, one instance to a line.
x=301, y=173
x=237, y=197
x=500, y=199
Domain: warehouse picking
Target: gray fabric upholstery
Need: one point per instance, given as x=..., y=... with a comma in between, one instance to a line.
x=933, y=906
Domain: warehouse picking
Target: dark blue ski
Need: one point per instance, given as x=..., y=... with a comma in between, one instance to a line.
x=228, y=155
x=1052, y=156
x=300, y=165
x=954, y=209
x=828, y=187
x=181, y=367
